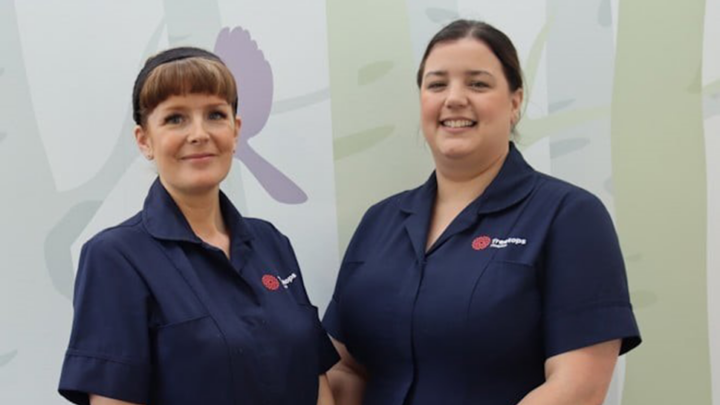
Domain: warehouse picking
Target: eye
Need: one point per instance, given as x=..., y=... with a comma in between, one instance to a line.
x=435, y=85
x=173, y=119
x=217, y=115
x=476, y=84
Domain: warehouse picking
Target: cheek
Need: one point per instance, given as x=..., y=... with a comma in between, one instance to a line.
x=429, y=110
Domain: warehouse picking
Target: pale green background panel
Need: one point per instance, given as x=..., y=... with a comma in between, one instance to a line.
x=623, y=98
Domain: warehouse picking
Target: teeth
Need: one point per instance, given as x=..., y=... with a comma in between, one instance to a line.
x=458, y=123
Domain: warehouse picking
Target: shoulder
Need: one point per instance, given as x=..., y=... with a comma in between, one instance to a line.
x=119, y=237
x=263, y=229
x=110, y=259
x=572, y=212
x=566, y=196
x=389, y=207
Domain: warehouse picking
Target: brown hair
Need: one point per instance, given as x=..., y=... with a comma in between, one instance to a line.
x=495, y=39
x=195, y=75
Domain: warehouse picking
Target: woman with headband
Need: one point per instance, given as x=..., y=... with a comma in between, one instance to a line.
x=189, y=302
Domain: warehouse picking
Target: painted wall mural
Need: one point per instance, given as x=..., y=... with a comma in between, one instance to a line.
x=623, y=99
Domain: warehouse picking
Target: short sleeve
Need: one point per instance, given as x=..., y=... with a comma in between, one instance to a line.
x=327, y=355
x=332, y=318
x=354, y=257
x=586, y=298
x=109, y=348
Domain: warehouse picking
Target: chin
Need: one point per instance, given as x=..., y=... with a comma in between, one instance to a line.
x=199, y=186
x=455, y=152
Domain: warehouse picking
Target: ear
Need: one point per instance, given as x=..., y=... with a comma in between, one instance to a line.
x=142, y=139
x=238, y=125
x=516, y=99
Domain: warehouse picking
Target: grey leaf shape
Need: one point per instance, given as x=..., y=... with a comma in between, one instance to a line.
x=2, y=71
x=441, y=15
x=605, y=13
x=2, y=136
x=295, y=103
x=566, y=146
x=7, y=357
x=174, y=39
x=609, y=186
x=58, y=241
x=711, y=107
x=559, y=105
x=374, y=71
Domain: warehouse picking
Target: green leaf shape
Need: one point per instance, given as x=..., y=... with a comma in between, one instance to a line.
x=361, y=141
x=298, y=102
x=7, y=357
x=374, y=71
x=532, y=63
x=643, y=299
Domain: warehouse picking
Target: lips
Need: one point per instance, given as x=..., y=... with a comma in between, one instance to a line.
x=458, y=123
x=197, y=156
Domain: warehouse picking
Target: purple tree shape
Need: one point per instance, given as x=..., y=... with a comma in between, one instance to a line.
x=255, y=96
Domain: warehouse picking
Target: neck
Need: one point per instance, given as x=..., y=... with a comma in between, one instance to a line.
x=459, y=185
x=202, y=211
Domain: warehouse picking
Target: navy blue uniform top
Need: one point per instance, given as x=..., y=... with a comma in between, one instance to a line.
x=161, y=317
x=530, y=269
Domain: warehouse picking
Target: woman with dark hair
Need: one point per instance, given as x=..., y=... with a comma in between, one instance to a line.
x=491, y=283
x=189, y=302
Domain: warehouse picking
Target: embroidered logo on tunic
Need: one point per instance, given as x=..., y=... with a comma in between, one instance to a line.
x=288, y=280
x=483, y=242
x=270, y=282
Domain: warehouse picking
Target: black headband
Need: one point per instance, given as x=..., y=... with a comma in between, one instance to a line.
x=162, y=58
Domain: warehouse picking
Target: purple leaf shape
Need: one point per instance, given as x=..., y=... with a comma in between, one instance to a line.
x=279, y=186
x=253, y=75
x=254, y=78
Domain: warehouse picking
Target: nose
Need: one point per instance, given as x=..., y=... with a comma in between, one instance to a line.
x=456, y=97
x=198, y=133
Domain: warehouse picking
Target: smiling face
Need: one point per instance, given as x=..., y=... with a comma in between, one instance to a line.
x=467, y=107
x=192, y=139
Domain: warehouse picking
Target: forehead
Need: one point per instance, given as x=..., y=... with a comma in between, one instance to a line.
x=467, y=54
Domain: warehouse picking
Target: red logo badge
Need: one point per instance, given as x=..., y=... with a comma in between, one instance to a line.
x=481, y=242
x=270, y=282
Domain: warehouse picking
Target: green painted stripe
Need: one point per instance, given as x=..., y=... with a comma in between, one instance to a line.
x=660, y=200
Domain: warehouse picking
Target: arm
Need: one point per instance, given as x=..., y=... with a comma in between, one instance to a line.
x=577, y=377
x=325, y=396
x=347, y=378
x=98, y=400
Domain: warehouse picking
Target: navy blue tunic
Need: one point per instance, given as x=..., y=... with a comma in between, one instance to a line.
x=161, y=317
x=530, y=269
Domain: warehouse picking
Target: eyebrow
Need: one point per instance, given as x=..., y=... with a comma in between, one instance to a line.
x=443, y=73
x=179, y=106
